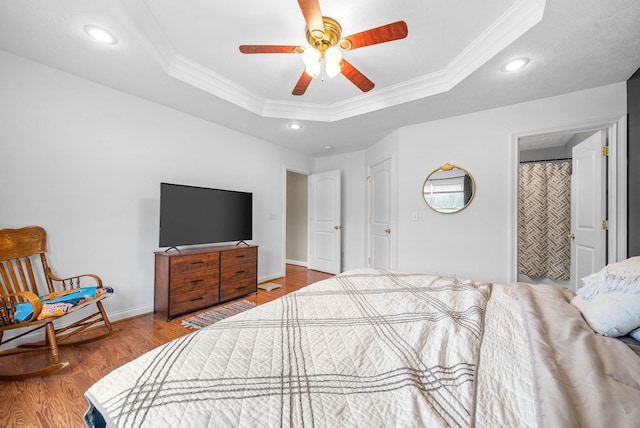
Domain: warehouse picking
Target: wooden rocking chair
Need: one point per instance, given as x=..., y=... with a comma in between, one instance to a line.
x=18, y=289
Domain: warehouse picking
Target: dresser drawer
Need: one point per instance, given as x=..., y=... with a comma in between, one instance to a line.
x=237, y=288
x=240, y=256
x=202, y=281
x=190, y=294
x=193, y=263
x=238, y=273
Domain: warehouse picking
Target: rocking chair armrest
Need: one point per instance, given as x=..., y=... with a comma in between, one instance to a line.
x=24, y=296
x=76, y=279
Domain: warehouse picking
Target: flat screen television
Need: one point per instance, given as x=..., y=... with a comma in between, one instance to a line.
x=192, y=215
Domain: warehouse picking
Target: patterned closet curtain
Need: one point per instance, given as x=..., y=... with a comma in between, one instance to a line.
x=544, y=207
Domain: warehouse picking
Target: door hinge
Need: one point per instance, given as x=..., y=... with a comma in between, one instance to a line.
x=605, y=151
x=369, y=179
x=605, y=224
x=369, y=220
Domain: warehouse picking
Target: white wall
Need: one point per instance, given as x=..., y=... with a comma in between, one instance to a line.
x=353, y=175
x=476, y=242
x=85, y=162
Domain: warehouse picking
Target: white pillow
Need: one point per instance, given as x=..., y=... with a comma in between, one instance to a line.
x=622, y=276
x=611, y=314
x=635, y=334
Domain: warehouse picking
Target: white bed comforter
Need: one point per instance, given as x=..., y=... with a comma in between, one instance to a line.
x=366, y=349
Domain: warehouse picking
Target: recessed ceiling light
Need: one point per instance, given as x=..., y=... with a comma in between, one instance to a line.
x=100, y=34
x=294, y=126
x=328, y=147
x=515, y=64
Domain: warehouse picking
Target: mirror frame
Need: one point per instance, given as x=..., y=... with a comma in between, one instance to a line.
x=449, y=167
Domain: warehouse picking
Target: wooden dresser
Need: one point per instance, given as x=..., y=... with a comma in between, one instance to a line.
x=198, y=278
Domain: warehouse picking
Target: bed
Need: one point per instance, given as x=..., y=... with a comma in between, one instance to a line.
x=374, y=348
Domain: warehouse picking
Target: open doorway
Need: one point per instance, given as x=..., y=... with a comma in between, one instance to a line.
x=313, y=230
x=545, y=207
x=296, y=227
x=555, y=144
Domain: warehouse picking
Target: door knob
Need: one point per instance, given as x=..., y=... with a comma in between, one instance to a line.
x=387, y=231
x=336, y=227
x=572, y=235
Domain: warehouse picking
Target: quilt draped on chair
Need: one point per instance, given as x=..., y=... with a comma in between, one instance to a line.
x=544, y=208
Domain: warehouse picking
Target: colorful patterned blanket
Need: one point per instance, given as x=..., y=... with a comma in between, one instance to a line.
x=61, y=302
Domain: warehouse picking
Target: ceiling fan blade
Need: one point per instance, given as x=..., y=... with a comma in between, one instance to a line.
x=356, y=77
x=262, y=49
x=386, y=33
x=313, y=17
x=303, y=84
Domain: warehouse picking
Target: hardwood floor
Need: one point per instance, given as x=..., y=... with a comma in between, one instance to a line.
x=57, y=400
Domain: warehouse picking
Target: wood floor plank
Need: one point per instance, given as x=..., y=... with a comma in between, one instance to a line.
x=57, y=400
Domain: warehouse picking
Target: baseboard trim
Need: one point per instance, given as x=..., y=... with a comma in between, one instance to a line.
x=296, y=262
x=130, y=312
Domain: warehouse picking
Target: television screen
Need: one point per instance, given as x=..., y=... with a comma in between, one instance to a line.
x=198, y=215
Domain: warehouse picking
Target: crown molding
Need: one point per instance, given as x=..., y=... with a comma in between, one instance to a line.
x=201, y=77
x=516, y=21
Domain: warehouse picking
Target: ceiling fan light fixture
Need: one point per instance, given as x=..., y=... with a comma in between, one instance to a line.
x=311, y=56
x=332, y=69
x=333, y=55
x=333, y=58
x=313, y=70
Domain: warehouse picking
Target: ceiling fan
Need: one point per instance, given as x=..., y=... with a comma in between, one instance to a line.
x=324, y=34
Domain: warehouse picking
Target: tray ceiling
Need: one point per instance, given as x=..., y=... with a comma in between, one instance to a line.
x=185, y=55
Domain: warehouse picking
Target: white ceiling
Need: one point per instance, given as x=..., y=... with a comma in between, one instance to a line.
x=185, y=55
x=545, y=141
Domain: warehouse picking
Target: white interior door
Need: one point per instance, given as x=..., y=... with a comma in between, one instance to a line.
x=380, y=215
x=588, y=208
x=325, y=230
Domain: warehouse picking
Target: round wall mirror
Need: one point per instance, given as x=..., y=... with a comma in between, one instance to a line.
x=449, y=189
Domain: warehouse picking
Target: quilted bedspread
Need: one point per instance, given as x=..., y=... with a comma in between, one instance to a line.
x=360, y=349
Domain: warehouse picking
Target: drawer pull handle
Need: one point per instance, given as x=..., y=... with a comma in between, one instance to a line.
x=197, y=298
x=199, y=262
x=195, y=281
x=241, y=271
